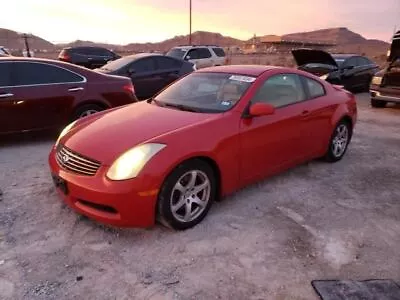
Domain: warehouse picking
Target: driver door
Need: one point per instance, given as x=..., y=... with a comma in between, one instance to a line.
x=144, y=78
x=272, y=143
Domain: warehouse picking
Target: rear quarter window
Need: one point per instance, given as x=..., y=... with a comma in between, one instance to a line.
x=219, y=52
x=315, y=89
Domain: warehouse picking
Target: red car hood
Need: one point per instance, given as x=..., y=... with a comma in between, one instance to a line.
x=106, y=136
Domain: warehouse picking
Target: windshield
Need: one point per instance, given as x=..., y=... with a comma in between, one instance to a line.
x=205, y=92
x=176, y=53
x=116, y=64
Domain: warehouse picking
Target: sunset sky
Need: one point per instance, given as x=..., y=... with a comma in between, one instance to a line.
x=126, y=21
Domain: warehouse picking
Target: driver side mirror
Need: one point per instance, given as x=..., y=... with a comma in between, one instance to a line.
x=187, y=57
x=261, y=109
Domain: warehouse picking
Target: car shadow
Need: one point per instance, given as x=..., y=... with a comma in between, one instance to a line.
x=27, y=138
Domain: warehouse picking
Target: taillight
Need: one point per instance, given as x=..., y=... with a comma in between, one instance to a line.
x=64, y=56
x=129, y=88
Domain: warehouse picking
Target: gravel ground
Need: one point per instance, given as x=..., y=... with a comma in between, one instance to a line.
x=317, y=221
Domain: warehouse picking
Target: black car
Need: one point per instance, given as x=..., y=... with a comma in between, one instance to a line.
x=89, y=57
x=149, y=72
x=352, y=71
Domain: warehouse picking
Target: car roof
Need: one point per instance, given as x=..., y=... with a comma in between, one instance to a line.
x=141, y=55
x=29, y=59
x=84, y=47
x=195, y=46
x=249, y=70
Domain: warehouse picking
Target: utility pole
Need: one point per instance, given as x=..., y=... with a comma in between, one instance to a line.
x=190, y=22
x=28, y=52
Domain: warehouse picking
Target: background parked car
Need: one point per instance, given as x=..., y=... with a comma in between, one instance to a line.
x=39, y=94
x=149, y=72
x=385, y=86
x=352, y=71
x=4, y=52
x=201, y=56
x=89, y=57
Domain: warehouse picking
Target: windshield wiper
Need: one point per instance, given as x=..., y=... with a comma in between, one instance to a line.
x=181, y=107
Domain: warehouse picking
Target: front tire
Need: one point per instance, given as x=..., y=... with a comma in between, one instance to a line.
x=339, y=141
x=187, y=195
x=378, y=103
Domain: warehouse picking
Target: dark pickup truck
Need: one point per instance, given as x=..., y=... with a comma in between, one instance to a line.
x=385, y=85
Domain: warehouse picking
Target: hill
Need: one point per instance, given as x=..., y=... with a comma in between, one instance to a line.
x=14, y=41
x=346, y=40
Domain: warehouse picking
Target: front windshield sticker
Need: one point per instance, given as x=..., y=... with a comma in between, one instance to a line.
x=226, y=103
x=242, y=78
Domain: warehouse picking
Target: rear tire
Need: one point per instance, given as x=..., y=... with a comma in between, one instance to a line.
x=339, y=141
x=86, y=110
x=187, y=195
x=378, y=103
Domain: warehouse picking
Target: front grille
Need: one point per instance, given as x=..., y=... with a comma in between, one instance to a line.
x=76, y=163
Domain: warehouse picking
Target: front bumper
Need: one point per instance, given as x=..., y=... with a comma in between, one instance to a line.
x=377, y=95
x=129, y=203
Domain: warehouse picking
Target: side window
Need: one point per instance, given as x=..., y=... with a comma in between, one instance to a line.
x=193, y=53
x=281, y=90
x=204, y=53
x=351, y=62
x=143, y=65
x=27, y=73
x=315, y=89
x=219, y=52
x=5, y=74
x=165, y=63
x=104, y=52
x=363, y=61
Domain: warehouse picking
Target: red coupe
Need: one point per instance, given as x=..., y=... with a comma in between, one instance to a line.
x=205, y=136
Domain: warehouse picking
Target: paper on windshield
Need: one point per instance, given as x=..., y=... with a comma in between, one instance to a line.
x=242, y=78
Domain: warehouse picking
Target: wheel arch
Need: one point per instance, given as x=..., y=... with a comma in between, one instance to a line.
x=206, y=159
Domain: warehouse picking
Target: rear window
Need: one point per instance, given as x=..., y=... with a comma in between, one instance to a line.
x=117, y=64
x=219, y=52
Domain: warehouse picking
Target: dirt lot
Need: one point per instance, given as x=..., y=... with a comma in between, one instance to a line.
x=317, y=221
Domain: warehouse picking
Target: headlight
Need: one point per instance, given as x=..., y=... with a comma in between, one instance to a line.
x=376, y=80
x=129, y=164
x=324, y=77
x=65, y=131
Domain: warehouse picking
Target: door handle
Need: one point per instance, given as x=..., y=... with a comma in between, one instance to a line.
x=75, y=89
x=6, y=95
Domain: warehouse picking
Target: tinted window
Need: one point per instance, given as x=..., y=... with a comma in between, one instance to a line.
x=314, y=88
x=204, y=53
x=37, y=73
x=143, y=65
x=5, y=71
x=219, y=52
x=164, y=63
x=117, y=64
x=281, y=90
x=193, y=53
x=363, y=61
x=351, y=62
x=90, y=51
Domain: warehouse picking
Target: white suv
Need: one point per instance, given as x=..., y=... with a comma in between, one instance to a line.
x=201, y=56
